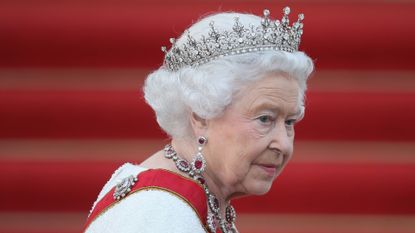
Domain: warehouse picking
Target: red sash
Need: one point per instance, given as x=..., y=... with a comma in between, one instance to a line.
x=185, y=188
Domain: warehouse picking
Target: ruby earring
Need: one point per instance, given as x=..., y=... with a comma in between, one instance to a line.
x=199, y=163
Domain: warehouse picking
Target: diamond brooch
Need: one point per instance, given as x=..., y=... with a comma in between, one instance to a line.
x=124, y=187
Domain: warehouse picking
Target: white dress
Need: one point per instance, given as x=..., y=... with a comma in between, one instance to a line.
x=145, y=211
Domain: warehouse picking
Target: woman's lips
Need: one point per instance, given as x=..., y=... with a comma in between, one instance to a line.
x=270, y=169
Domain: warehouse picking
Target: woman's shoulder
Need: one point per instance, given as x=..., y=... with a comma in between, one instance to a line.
x=159, y=201
x=125, y=170
x=154, y=211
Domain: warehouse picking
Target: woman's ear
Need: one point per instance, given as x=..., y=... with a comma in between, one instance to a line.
x=199, y=124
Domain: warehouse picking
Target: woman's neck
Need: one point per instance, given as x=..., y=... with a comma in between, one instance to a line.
x=186, y=151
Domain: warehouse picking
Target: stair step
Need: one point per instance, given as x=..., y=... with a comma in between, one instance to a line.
x=124, y=114
x=362, y=188
x=97, y=34
x=72, y=222
x=323, y=80
x=137, y=150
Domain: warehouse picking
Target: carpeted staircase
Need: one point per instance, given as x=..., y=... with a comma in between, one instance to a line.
x=72, y=111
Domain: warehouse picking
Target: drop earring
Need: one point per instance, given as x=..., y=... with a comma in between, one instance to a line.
x=199, y=162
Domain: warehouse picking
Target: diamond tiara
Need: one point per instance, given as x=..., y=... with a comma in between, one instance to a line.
x=269, y=35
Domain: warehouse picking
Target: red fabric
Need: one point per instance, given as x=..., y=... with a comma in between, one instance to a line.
x=163, y=179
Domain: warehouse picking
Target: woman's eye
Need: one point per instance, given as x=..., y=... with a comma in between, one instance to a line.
x=290, y=122
x=265, y=119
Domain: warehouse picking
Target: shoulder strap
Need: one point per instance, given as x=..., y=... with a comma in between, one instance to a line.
x=185, y=188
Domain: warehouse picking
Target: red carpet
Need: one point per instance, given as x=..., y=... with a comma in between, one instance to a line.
x=71, y=111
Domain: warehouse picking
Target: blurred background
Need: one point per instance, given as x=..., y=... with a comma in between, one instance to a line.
x=72, y=111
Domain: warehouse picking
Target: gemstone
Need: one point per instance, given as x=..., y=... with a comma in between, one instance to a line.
x=213, y=203
x=202, y=140
x=201, y=180
x=211, y=221
x=266, y=12
x=230, y=214
x=198, y=164
x=216, y=203
x=184, y=164
x=277, y=22
x=287, y=10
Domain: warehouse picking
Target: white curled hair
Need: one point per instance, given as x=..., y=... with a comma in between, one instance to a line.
x=207, y=90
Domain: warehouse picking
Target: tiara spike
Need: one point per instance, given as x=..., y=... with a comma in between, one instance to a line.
x=285, y=20
x=266, y=12
x=172, y=41
x=299, y=25
x=266, y=20
x=286, y=10
x=268, y=35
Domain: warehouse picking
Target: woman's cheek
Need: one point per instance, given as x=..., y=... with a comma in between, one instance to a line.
x=259, y=131
x=290, y=131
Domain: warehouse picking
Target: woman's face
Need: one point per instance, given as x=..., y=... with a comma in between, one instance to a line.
x=252, y=141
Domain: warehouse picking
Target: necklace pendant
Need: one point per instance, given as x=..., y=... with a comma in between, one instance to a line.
x=198, y=164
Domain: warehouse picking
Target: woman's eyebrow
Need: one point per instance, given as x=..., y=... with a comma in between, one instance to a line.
x=299, y=112
x=265, y=105
x=274, y=108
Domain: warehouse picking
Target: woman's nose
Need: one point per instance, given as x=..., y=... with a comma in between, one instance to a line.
x=282, y=139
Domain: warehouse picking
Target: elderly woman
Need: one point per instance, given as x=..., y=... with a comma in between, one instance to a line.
x=229, y=94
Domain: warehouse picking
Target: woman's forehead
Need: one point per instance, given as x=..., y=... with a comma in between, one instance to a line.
x=270, y=86
x=279, y=106
x=271, y=81
x=272, y=92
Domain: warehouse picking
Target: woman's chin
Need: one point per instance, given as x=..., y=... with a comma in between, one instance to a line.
x=261, y=188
